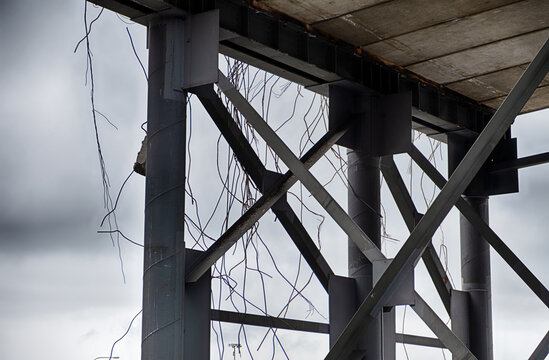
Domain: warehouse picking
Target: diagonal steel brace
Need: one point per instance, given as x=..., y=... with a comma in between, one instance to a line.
x=542, y=350
x=362, y=241
x=483, y=228
x=258, y=173
x=418, y=240
x=261, y=206
x=410, y=215
x=439, y=328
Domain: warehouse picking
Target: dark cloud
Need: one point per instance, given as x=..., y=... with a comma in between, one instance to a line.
x=63, y=282
x=58, y=272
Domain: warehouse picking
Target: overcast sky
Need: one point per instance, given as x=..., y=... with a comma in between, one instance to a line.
x=62, y=293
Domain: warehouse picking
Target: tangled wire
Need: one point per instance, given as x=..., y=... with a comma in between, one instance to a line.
x=242, y=280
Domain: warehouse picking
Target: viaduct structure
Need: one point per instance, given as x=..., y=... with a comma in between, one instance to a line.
x=459, y=71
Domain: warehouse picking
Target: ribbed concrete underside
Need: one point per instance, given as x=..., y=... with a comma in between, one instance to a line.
x=476, y=48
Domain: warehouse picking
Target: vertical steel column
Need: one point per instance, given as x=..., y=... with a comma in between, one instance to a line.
x=364, y=209
x=164, y=262
x=475, y=278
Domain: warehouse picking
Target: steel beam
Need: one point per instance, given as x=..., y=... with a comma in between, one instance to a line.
x=231, y=132
x=542, y=350
x=418, y=240
x=262, y=205
x=488, y=234
x=164, y=254
x=399, y=192
x=520, y=163
x=410, y=215
x=197, y=314
x=269, y=321
x=317, y=190
x=258, y=173
x=438, y=275
x=303, y=241
x=419, y=340
x=438, y=327
x=289, y=50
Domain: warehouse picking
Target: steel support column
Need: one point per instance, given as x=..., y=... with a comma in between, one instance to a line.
x=164, y=257
x=364, y=208
x=476, y=280
x=269, y=321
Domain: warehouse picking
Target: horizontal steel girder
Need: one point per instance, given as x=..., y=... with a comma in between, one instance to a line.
x=269, y=321
x=291, y=51
x=521, y=163
x=419, y=239
x=315, y=327
x=418, y=340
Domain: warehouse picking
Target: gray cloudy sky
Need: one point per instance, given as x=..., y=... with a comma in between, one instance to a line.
x=62, y=294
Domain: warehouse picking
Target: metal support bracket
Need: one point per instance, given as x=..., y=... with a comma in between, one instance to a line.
x=459, y=315
x=486, y=182
x=404, y=295
x=269, y=321
x=384, y=123
x=342, y=304
x=195, y=59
